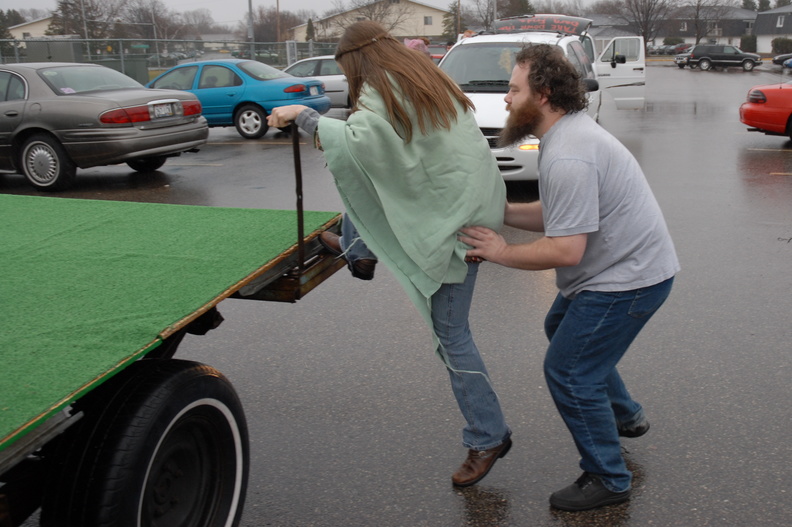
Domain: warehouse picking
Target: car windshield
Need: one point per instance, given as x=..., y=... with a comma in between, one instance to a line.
x=72, y=80
x=484, y=67
x=260, y=71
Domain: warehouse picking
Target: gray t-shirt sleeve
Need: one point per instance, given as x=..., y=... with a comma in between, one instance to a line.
x=571, y=198
x=308, y=120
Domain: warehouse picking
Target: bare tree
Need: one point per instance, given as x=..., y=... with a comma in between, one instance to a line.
x=606, y=7
x=560, y=7
x=198, y=21
x=34, y=14
x=484, y=13
x=266, y=24
x=457, y=20
x=155, y=20
x=648, y=17
x=87, y=18
x=391, y=15
x=508, y=8
x=703, y=15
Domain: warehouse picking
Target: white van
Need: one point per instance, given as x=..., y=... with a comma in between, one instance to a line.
x=482, y=67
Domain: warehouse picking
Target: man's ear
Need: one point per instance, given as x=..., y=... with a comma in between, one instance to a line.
x=543, y=97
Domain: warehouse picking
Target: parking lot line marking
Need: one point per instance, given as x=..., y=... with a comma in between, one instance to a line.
x=780, y=173
x=195, y=164
x=770, y=150
x=256, y=143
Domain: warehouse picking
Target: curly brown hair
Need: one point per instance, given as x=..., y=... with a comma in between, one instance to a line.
x=552, y=75
x=369, y=55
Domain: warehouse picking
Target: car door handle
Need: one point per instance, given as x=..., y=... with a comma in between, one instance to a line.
x=12, y=113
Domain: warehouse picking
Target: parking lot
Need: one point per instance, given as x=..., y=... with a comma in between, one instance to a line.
x=351, y=419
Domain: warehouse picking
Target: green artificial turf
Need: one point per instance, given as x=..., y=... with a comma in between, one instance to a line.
x=87, y=286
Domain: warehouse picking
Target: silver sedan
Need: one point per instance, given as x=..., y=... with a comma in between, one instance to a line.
x=57, y=117
x=326, y=69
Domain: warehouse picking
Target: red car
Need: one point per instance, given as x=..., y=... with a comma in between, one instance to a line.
x=768, y=109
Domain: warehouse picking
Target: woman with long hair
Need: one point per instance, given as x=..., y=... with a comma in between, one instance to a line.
x=412, y=168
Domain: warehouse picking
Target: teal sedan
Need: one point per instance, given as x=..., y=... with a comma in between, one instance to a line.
x=241, y=93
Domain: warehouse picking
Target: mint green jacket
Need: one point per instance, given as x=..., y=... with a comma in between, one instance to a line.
x=409, y=200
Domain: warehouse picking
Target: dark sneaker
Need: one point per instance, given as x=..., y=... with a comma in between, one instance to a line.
x=586, y=493
x=636, y=430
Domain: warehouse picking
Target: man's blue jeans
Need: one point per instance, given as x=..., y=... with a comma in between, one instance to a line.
x=486, y=427
x=588, y=336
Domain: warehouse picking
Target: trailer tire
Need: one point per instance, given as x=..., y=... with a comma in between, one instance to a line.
x=163, y=443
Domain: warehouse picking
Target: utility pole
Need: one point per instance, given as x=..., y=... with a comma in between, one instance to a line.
x=459, y=17
x=250, y=30
x=85, y=29
x=156, y=44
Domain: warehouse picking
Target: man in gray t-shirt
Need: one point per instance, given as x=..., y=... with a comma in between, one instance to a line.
x=615, y=263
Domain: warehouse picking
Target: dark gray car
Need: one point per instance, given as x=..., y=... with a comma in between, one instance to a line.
x=57, y=117
x=708, y=56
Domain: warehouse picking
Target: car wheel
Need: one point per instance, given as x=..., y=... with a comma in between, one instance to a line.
x=165, y=444
x=748, y=65
x=251, y=121
x=705, y=65
x=46, y=164
x=147, y=164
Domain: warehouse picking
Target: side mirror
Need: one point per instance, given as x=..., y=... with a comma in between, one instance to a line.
x=618, y=59
x=591, y=85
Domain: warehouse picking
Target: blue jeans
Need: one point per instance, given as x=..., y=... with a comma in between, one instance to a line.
x=588, y=336
x=486, y=427
x=357, y=250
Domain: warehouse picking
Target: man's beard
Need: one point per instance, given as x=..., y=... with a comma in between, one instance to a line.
x=522, y=122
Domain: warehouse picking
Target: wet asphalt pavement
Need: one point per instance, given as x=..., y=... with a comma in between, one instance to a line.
x=351, y=418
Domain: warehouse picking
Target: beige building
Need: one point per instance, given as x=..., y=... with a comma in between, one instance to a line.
x=404, y=18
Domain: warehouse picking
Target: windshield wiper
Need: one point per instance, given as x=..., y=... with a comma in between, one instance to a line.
x=496, y=86
x=488, y=83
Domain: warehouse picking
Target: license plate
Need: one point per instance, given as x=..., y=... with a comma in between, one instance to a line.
x=314, y=90
x=163, y=110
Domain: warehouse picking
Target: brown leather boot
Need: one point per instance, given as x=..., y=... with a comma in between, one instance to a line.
x=478, y=464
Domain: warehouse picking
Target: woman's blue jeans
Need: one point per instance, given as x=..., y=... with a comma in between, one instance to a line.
x=352, y=244
x=486, y=427
x=588, y=336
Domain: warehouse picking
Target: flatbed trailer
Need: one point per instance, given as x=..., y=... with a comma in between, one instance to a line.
x=99, y=424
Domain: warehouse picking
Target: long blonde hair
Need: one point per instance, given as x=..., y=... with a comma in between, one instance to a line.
x=369, y=55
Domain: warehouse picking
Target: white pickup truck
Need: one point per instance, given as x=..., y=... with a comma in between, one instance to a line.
x=482, y=66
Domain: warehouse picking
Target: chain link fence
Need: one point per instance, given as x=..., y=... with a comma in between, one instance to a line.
x=145, y=59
